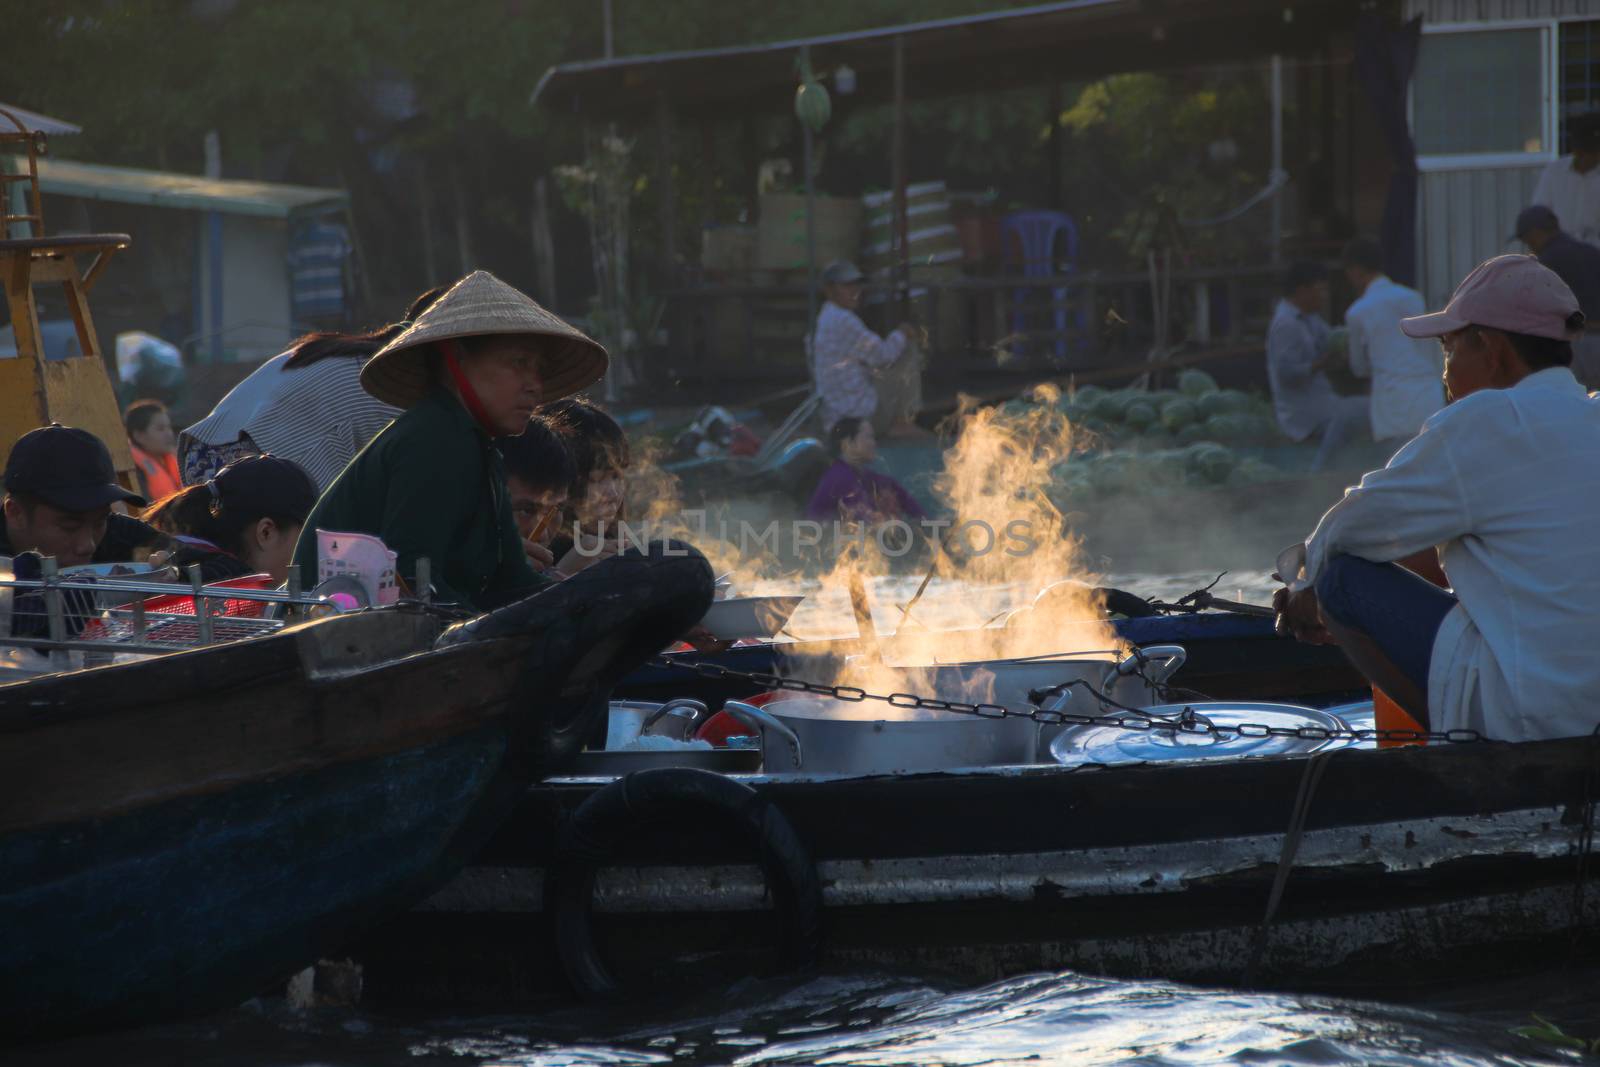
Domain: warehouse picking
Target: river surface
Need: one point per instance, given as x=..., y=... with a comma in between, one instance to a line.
x=889, y=1021
x=901, y=1019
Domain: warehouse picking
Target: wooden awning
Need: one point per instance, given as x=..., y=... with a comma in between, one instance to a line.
x=1066, y=41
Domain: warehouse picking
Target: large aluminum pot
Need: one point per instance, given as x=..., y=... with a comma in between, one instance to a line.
x=823, y=735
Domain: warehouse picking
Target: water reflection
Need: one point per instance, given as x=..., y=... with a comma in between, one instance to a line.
x=875, y=1021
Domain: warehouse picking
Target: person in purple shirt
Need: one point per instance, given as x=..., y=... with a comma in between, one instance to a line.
x=850, y=491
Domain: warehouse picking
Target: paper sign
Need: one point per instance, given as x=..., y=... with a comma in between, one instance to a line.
x=362, y=557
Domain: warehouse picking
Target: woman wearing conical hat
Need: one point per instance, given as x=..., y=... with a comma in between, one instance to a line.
x=470, y=369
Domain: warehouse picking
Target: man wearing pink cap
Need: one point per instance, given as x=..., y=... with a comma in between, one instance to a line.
x=1505, y=482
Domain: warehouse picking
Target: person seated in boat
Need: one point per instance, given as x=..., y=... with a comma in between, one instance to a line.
x=1504, y=482
x=596, y=500
x=60, y=489
x=539, y=474
x=154, y=445
x=245, y=520
x=850, y=490
x=305, y=405
x=470, y=369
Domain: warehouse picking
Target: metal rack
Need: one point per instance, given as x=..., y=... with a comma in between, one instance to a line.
x=110, y=614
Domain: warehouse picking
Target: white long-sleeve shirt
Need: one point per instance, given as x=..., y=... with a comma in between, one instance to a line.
x=1506, y=482
x=1574, y=197
x=845, y=354
x=1405, y=371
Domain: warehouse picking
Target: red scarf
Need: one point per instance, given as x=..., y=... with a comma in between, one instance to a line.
x=469, y=395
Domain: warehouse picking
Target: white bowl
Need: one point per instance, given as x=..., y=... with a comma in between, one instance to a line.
x=759, y=617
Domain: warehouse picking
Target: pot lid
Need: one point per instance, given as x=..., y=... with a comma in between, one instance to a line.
x=1112, y=744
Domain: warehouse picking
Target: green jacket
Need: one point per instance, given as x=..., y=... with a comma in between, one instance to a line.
x=431, y=484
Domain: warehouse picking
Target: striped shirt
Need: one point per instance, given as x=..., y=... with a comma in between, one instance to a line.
x=317, y=416
x=846, y=355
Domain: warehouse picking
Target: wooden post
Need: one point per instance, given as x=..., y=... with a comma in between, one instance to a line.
x=900, y=246
x=1278, y=175
x=544, y=250
x=430, y=262
x=1055, y=145
x=667, y=200
x=807, y=161
x=464, y=252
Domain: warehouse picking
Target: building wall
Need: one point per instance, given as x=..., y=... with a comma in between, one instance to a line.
x=255, y=321
x=1467, y=208
x=255, y=287
x=1464, y=219
x=1495, y=10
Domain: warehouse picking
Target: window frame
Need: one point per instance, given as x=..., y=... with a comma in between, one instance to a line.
x=1550, y=72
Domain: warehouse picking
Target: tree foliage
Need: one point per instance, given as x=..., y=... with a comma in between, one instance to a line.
x=421, y=110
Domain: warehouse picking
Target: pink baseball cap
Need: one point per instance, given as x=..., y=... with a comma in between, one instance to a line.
x=1517, y=294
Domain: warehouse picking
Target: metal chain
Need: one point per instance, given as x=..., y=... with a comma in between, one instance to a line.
x=1132, y=719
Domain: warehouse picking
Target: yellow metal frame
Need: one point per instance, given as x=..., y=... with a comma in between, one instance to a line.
x=35, y=391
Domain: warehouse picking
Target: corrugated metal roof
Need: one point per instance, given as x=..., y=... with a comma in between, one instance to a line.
x=1068, y=40
x=127, y=185
x=36, y=122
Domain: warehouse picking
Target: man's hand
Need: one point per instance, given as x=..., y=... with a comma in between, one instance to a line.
x=1299, y=616
x=704, y=640
x=539, y=557
x=593, y=550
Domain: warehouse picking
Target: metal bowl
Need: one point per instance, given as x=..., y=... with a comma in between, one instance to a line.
x=1113, y=744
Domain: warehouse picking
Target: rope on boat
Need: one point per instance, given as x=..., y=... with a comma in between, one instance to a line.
x=1585, y=836
x=1310, y=778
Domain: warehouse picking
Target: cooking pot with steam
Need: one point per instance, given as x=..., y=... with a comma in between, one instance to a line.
x=822, y=735
x=827, y=735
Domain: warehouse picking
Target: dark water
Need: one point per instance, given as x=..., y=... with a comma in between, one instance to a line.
x=890, y=1021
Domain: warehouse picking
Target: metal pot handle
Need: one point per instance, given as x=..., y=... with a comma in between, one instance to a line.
x=695, y=708
x=1158, y=662
x=761, y=721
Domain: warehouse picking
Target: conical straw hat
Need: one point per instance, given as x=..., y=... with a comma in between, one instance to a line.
x=480, y=304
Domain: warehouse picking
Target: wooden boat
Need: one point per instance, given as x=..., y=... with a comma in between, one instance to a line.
x=179, y=832
x=1350, y=868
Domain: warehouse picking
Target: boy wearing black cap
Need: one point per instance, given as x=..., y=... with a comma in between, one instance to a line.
x=60, y=485
x=1578, y=264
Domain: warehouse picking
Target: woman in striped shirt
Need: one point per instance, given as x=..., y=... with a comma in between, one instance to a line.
x=305, y=405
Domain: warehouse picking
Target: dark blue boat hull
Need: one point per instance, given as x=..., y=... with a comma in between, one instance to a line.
x=190, y=901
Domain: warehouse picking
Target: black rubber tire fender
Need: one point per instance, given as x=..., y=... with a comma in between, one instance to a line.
x=592, y=837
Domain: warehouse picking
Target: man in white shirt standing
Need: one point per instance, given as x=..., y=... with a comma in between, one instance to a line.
x=846, y=355
x=1570, y=186
x=1297, y=354
x=1505, y=483
x=1404, y=372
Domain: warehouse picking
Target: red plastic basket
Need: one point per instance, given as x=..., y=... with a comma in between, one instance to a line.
x=183, y=603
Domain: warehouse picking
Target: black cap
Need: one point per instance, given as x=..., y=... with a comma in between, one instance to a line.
x=67, y=468
x=269, y=485
x=1537, y=217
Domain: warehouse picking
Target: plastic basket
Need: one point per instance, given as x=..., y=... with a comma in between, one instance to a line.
x=183, y=603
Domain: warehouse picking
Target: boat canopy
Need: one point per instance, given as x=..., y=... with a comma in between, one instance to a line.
x=129, y=185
